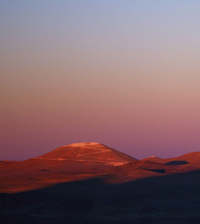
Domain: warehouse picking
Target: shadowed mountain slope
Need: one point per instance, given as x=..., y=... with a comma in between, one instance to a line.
x=165, y=199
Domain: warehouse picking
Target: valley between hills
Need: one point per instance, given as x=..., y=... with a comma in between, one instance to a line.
x=93, y=183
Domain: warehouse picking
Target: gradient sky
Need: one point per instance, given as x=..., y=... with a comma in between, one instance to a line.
x=125, y=73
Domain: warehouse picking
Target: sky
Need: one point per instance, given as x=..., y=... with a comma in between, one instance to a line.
x=124, y=73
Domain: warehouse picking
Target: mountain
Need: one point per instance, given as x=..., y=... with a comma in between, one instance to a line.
x=153, y=159
x=188, y=160
x=92, y=183
x=146, y=165
x=88, y=152
x=87, y=160
x=73, y=162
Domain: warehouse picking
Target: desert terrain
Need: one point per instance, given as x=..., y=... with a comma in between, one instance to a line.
x=93, y=183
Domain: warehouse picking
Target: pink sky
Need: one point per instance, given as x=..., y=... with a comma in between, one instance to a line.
x=123, y=73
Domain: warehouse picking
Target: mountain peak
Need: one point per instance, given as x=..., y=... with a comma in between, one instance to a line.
x=83, y=144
